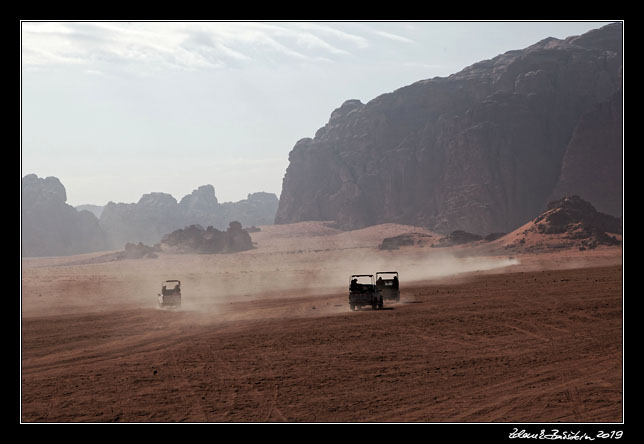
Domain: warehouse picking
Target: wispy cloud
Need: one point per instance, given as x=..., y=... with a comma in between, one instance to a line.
x=182, y=45
x=391, y=36
x=351, y=39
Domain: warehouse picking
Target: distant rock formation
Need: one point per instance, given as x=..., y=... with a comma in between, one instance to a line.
x=257, y=209
x=51, y=227
x=574, y=222
x=145, y=221
x=576, y=217
x=403, y=240
x=194, y=239
x=482, y=150
x=200, y=205
x=139, y=251
x=157, y=214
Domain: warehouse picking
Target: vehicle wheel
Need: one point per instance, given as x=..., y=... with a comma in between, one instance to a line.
x=352, y=307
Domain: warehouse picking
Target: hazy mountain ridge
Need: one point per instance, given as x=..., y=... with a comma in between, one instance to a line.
x=157, y=214
x=483, y=150
x=51, y=227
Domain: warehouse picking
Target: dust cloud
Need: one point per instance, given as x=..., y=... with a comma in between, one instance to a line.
x=326, y=274
x=288, y=267
x=412, y=267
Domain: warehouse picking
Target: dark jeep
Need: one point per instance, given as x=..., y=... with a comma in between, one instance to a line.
x=387, y=283
x=170, y=294
x=363, y=291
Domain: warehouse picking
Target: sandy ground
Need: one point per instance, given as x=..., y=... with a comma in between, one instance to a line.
x=267, y=335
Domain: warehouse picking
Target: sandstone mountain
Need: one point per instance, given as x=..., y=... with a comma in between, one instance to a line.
x=592, y=165
x=51, y=227
x=157, y=214
x=482, y=151
x=154, y=215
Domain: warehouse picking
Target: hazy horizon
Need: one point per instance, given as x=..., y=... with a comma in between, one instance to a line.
x=116, y=110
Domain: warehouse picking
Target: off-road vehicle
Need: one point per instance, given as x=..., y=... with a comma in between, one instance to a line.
x=170, y=295
x=387, y=283
x=363, y=291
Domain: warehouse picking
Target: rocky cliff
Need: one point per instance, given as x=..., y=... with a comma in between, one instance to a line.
x=51, y=227
x=482, y=151
x=592, y=164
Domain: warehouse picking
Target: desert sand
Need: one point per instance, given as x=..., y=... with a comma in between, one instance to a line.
x=481, y=334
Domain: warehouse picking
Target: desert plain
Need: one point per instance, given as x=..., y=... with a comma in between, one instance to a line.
x=482, y=334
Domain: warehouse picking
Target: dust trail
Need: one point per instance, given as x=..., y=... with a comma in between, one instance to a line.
x=210, y=286
x=415, y=266
x=326, y=273
x=288, y=268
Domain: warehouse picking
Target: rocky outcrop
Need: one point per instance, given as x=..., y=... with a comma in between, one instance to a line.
x=481, y=151
x=51, y=227
x=139, y=251
x=576, y=217
x=569, y=222
x=157, y=214
x=404, y=240
x=196, y=239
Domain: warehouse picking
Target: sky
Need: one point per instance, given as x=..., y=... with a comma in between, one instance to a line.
x=118, y=109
